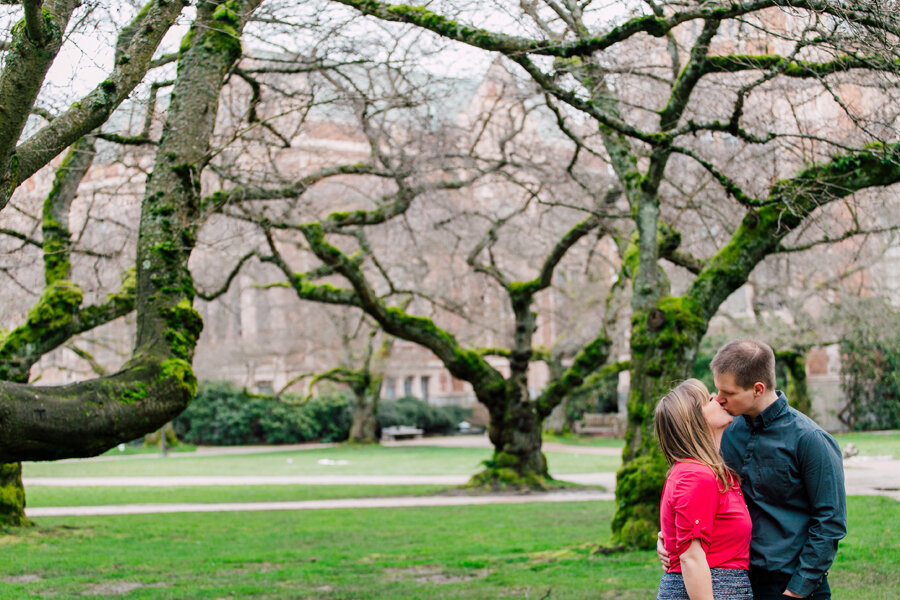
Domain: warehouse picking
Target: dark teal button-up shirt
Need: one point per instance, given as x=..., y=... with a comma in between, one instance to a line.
x=792, y=477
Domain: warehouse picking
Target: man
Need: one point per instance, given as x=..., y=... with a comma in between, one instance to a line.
x=791, y=476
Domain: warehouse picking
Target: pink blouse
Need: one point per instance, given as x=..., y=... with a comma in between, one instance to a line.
x=693, y=506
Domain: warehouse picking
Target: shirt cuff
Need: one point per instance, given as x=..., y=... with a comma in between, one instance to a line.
x=802, y=586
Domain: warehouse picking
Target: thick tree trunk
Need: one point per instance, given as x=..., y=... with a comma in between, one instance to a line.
x=12, y=496
x=365, y=407
x=557, y=423
x=518, y=461
x=664, y=342
x=156, y=438
x=795, y=387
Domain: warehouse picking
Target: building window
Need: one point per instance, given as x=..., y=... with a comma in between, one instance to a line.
x=407, y=386
x=264, y=386
x=390, y=389
x=424, y=383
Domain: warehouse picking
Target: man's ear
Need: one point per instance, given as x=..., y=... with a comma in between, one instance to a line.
x=759, y=388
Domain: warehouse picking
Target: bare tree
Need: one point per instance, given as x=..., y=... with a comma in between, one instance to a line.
x=421, y=241
x=681, y=95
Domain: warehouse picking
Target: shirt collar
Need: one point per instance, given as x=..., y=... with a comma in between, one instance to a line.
x=772, y=413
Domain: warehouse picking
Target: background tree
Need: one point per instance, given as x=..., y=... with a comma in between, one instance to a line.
x=379, y=246
x=683, y=94
x=360, y=368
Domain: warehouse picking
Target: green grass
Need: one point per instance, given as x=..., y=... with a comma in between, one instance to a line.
x=584, y=440
x=40, y=495
x=872, y=443
x=361, y=460
x=465, y=552
x=454, y=552
x=128, y=449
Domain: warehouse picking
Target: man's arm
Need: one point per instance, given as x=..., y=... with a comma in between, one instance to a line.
x=822, y=472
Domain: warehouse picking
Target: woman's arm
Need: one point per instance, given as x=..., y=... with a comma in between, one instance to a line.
x=695, y=570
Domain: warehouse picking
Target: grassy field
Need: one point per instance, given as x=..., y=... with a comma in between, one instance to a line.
x=41, y=495
x=351, y=460
x=873, y=443
x=526, y=551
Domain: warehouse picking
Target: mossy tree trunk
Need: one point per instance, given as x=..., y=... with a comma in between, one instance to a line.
x=365, y=408
x=664, y=344
x=86, y=418
x=12, y=496
x=58, y=315
x=794, y=364
x=665, y=339
x=364, y=383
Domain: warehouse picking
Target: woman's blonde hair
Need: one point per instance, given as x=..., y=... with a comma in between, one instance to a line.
x=683, y=432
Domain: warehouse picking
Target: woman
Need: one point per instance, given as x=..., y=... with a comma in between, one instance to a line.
x=704, y=520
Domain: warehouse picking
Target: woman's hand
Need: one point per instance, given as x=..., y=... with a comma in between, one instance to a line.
x=695, y=570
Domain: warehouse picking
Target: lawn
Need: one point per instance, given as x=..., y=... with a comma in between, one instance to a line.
x=467, y=552
x=872, y=443
x=338, y=460
x=42, y=495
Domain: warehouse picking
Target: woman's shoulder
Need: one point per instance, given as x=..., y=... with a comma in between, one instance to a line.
x=693, y=469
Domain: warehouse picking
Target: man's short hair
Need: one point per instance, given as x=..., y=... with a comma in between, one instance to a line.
x=748, y=360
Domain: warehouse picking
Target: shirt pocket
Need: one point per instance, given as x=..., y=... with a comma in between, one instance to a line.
x=775, y=482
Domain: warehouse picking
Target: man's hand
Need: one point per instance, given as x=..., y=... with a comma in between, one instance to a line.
x=787, y=593
x=661, y=551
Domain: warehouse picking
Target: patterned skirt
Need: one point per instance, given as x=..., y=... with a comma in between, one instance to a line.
x=728, y=584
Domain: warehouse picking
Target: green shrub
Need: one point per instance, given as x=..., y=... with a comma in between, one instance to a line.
x=415, y=412
x=600, y=398
x=331, y=416
x=870, y=365
x=223, y=414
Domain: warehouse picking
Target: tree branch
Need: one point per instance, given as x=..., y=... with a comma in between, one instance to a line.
x=94, y=109
x=790, y=201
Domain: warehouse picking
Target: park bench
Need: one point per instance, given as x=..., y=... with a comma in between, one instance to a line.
x=598, y=425
x=400, y=432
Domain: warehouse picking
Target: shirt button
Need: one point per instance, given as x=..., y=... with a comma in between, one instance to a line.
x=696, y=522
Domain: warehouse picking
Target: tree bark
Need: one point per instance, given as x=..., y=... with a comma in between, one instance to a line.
x=797, y=392
x=664, y=343
x=366, y=392
x=518, y=462
x=12, y=496
x=362, y=429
